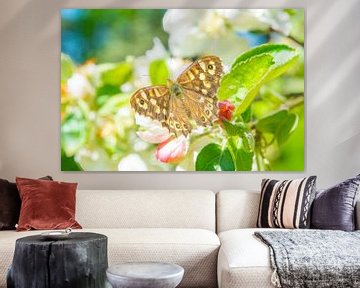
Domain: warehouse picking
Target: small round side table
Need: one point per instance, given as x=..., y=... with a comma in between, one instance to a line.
x=145, y=275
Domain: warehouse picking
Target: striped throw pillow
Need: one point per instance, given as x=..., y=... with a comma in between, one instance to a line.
x=286, y=204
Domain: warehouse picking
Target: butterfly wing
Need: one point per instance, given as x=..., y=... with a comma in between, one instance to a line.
x=153, y=102
x=203, y=76
x=178, y=121
x=200, y=82
x=203, y=110
x=157, y=103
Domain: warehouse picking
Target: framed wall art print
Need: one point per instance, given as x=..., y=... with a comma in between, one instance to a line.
x=182, y=90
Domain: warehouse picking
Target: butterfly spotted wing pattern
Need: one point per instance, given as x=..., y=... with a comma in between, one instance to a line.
x=200, y=82
x=191, y=97
x=152, y=102
x=203, y=76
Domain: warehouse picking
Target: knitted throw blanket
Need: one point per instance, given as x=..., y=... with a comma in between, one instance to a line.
x=313, y=258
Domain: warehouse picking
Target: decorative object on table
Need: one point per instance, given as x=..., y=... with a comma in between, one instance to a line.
x=313, y=258
x=10, y=204
x=145, y=275
x=182, y=90
x=56, y=235
x=286, y=204
x=79, y=261
x=334, y=208
x=46, y=205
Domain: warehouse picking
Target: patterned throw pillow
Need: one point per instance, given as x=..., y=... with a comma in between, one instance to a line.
x=286, y=204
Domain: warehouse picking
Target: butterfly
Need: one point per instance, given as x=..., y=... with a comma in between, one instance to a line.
x=190, y=99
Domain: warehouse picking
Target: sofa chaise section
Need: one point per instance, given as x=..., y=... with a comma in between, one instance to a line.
x=244, y=260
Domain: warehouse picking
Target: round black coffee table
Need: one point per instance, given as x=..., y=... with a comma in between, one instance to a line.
x=78, y=261
x=145, y=275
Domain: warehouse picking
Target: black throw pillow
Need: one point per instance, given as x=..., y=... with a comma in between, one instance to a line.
x=334, y=208
x=10, y=204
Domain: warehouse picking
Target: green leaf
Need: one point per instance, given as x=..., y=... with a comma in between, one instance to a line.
x=159, y=72
x=291, y=157
x=243, y=159
x=213, y=158
x=104, y=93
x=246, y=115
x=287, y=128
x=107, y=90
x=271, y=95
x=69, y=163
x=67, y=68
x=115, y=74
x=233, y=129
x=270, y=124
x=74, y=130
x=239, y=129
x=281, y=123
x=281, y=52
x=113, y=104
x=248, y=141
x=254, y=68
x=244, y=80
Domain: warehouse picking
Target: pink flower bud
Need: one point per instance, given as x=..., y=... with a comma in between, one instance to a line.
x=172, y=150
x=226, y=109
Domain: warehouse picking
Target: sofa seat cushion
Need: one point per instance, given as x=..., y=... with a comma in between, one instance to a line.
x=194, y=249
x=244, y=261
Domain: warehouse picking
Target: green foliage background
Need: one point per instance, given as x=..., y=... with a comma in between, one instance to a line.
x=98, y=33
x=98, y=130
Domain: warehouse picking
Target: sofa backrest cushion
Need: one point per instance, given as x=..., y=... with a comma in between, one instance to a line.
x=146, y=209
x=236, y=209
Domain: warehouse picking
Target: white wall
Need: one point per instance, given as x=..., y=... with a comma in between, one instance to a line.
x=29, y=94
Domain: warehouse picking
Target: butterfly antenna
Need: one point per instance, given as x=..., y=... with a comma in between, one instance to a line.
x=171, y=62
x=144, y=75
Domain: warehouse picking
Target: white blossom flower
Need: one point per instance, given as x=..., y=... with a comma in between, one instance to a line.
x=140, y=145
x=274, y=18
x=127, y=87
x=79, y=86
x=176, y=66
x=94, y=158
x=196, y=32
x=151, y=130
x=132, y=162
x=141, y=64
x=158, y=51
x=123, y=120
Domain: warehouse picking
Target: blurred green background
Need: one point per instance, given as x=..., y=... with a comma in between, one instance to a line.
x=109, y=35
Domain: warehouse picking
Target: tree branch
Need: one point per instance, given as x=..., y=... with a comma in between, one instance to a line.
x=287, y=36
